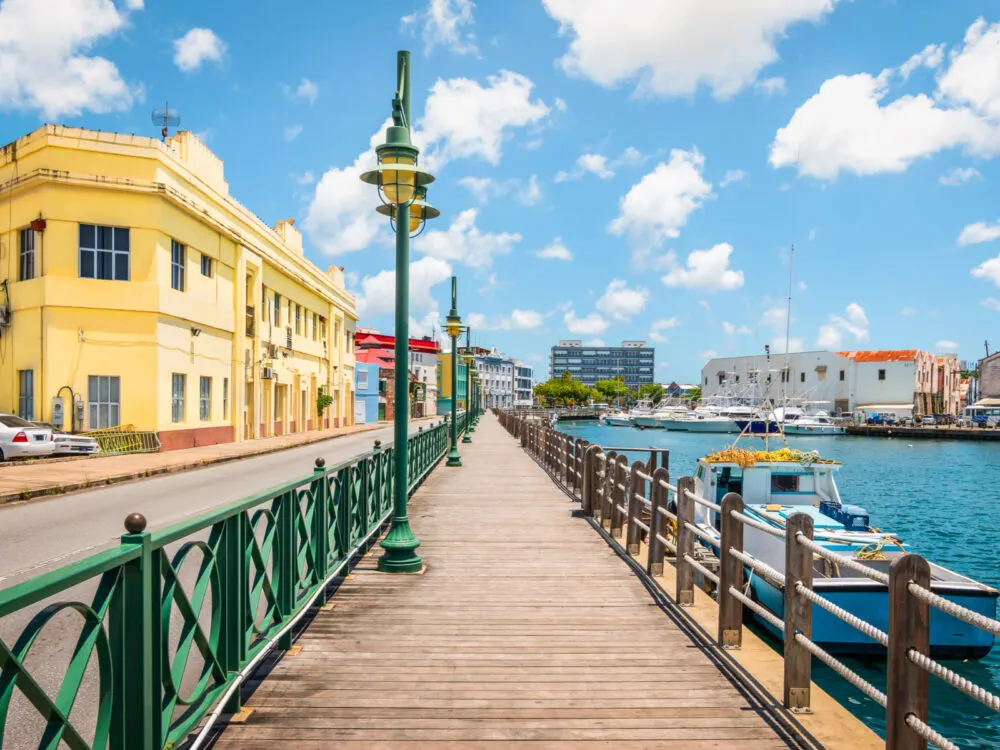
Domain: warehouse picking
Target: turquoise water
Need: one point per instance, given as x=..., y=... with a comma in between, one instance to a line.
x=940, y=496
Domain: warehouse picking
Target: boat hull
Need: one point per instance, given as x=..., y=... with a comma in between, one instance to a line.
x=822, y=429
x=617, y=421
x=757, y=427
x=677, y=425
x=949, y=638
x=712, y=425
x=647, y=421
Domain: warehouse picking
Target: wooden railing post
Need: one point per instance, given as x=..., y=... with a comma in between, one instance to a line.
x=636, y=486
x=798, y=613
x=607, y=499
x=909, y=628
x=590, y=478
x=618, y=495
x=685, y=542
x=657, y=522
x=567, y=460
x=730, y=574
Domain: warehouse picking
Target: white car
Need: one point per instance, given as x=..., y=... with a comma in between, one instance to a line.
x=68, y=444
x=22, y=439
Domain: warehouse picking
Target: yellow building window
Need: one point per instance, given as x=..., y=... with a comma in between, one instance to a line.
x=277, y=310
x=298, y=320
x=178, y=254
x=205, y=399
x=104, y=252
x=178, y=384
x=315, y=326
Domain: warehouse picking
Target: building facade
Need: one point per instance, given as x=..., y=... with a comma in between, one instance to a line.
x=497, y=373
x=524, y=384
x=633, y=361
x=444, y=384
x=366, y=393
x=141, y=293
x=902, y=381
x=373, y=346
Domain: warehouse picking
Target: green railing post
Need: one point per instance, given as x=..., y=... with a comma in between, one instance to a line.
x=233, y=573
x=285, y=570
x=321, y=525
x=134, y=628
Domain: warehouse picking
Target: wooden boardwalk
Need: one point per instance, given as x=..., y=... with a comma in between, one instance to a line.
x=526, y=629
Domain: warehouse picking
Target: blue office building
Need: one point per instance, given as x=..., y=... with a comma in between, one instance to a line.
x=633, y=360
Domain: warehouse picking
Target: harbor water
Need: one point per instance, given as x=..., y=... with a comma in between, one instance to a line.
x=939, y=496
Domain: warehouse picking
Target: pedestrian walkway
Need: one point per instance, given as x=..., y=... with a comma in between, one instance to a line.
x=525, y=627
x=28, y=479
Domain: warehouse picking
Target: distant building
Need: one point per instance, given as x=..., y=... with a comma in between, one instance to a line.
x=989, y=377
x=497, y=373
x=633, y=360
x=444, y=384
x=380, y=348
x=366, y=393
x=524, y=384
x=897, y=380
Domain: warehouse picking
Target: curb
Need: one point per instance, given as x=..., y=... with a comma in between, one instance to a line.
x=63, y=489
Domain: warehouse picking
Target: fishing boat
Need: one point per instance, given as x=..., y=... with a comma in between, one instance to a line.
x=616, y=419
x=815, y=424
x=663, y=413
x=712, y=423
x=774, y=486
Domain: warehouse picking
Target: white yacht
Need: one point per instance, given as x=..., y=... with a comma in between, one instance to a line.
x=815, y=424
x=616, y=418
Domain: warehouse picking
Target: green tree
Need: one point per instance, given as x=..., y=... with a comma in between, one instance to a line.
x=695, y=393
x=563, y=390
x=652, y=391
x=612, y=390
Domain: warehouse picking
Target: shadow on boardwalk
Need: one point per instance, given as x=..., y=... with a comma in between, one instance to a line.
x=525, y=627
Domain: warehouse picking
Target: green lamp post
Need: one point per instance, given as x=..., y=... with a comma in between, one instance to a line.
x=470, y=369
x=402, y=188
x=453, y=325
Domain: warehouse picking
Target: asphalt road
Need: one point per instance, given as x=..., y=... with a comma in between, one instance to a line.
x=42, y=534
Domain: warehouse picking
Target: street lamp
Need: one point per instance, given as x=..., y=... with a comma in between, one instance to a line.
x=453, y=325
x=470, y=387
x=402, y=185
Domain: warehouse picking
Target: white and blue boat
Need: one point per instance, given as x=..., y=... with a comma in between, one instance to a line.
x=778, y=484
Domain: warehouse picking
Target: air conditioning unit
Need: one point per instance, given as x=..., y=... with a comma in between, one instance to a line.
x=267, y=373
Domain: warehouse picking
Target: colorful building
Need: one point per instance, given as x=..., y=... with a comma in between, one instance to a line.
x=380, y=348
x=139, y=292
x=366, y=393
x=444, y=388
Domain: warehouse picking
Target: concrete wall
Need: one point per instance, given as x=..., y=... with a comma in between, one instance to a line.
x=810, y=375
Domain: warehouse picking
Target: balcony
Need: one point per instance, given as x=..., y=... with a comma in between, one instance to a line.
x=251, y=318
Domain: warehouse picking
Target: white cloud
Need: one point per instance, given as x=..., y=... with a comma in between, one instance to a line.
x=292, y=132
x=464, y=242
x=555, y=250
x=812, y=234
x=341, y=217
x=854, y=322
x=930, y=56
x=482, y=188
x=730, y=329
x=378, y=292
x=991, y=303
x=959, y=175
x=593, y=342
x=908, y=311
x=531, y=193
x=518, y=320
x=621, y=303
x=591, y=325
x=989, y=270
x=973, y=234
x=429, y=325
x=847, y=126
x=443, y=22
x=778, y=345
x=705, y=269
x=134, y=4
x=774, y=318
x=659, y=326
x=306, y=90
x=600, y=165
x=703, y=304
x=43, y=67
x=946, y=347
x=306, y=178
x=673, y=47
x=772, y=86
x=731, y=176
x=658, y=206
x=464, y=119
x=196, y=47
x=708, y=354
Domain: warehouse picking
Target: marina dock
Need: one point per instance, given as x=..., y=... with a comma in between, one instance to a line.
x=526, y=626
x=924, y=433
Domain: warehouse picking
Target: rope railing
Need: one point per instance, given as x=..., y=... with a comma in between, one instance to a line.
x=638, y=502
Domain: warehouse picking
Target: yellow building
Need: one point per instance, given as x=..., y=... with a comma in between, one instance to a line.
x=130, y=279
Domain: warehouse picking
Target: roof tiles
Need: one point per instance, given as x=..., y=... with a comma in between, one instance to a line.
x=882, y=355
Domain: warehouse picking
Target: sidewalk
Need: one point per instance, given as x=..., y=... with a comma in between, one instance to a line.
x=23, y=481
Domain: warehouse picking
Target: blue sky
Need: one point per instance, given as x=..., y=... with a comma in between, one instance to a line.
x=606, y=169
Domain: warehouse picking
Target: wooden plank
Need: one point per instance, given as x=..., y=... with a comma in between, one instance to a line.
x=525, y=630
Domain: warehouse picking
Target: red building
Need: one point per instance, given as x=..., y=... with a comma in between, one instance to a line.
x=379, y=348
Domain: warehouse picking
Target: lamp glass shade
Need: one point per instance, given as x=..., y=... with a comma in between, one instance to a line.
x=397, y=184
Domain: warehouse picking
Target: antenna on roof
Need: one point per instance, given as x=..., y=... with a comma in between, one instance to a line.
x=166, y=118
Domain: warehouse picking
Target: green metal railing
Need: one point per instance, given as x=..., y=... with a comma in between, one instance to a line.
x=257, y=564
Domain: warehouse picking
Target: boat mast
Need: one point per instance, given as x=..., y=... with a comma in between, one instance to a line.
x=788, y=330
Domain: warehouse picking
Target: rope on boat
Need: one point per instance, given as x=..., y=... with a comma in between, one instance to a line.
x=843, y=670
x=955, y=610
x=856, y=622
x=955, y=680
x=847, y=562
x=762, y=568
x=702, y=501
x=766, y=528
x=929, y=734
x=759, y=609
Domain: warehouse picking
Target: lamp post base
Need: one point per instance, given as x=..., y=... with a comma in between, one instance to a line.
x=466, y=438
x=454, y=459
x=400, y=549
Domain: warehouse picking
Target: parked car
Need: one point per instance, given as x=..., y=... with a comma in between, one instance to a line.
x=928, y=420
x=68, y=444
x=20, y=438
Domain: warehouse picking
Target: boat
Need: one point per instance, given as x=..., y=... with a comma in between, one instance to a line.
x=774, y=486
x=815, y=424
x=616, y=419
x=717, y=423
x=663, y=413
